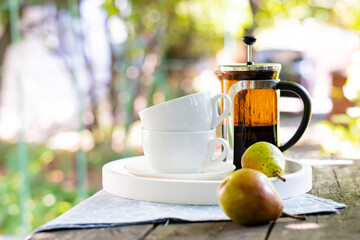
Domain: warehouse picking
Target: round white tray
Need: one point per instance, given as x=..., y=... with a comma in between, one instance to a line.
x=116, y=180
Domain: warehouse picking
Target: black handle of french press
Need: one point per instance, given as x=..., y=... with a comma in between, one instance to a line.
x=301, y=92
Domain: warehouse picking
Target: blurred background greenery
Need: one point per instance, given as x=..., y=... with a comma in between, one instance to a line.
x=75, y=74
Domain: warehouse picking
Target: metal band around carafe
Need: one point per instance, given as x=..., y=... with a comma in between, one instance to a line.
x=251, y=84
x=234, y=90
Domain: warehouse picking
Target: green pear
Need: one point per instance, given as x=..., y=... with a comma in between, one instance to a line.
x=266, y=158
x=248, y=197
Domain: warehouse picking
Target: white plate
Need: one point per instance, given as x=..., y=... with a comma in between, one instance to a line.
x=141, y=167
x=118, y=181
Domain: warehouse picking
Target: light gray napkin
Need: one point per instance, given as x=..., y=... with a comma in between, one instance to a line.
x=104, y=209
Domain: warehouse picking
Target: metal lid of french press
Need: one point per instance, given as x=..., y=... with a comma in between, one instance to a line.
x=250, y=65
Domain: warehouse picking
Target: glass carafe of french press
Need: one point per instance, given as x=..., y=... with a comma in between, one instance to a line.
x=254, y=91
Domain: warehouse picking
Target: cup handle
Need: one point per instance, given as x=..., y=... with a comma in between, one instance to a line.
x=217, y=118
x=225, y=151
x=302, y=93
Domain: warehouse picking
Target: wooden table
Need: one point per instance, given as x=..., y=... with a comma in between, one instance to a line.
x=337, y=182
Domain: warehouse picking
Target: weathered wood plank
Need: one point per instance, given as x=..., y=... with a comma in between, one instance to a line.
x=236, y=231
x=120, y=232
x=346, y=224
x=206, y=231
x=324, y=184
x=349, y=219
x=340, y=183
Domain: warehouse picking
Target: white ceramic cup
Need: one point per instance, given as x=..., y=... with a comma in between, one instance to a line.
x=182, y=152
x=194, y=112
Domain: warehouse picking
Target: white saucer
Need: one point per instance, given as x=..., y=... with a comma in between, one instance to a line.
x=118, y=181
x=141, y=167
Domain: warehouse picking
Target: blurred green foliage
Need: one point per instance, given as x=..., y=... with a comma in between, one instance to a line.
x=341, y=13
x=342, y=130
x=52, y=181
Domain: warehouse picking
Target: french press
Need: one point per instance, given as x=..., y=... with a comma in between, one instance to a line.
x=254, y=91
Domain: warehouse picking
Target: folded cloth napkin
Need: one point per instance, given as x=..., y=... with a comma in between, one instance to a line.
x=104, y=209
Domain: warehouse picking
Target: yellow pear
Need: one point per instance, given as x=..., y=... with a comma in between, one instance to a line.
x=248, y=197
x=266, y=158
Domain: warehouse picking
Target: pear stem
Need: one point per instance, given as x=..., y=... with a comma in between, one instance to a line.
x=302, y=217
x=279, y=176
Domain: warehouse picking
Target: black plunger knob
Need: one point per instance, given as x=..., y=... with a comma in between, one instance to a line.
x=249, y=40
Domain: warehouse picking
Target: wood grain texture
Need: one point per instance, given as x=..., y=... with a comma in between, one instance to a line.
x=208, y=231
x=109, y=233
x=341, y=184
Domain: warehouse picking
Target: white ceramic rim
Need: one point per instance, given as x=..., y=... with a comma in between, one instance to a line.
x=204, y=175
x=179, y=133
x=287, y=176
x=173, y=100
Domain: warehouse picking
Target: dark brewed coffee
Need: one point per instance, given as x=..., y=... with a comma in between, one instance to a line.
x=246, y=136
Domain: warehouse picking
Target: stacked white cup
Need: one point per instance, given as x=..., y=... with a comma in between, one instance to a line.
x=179, y=136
